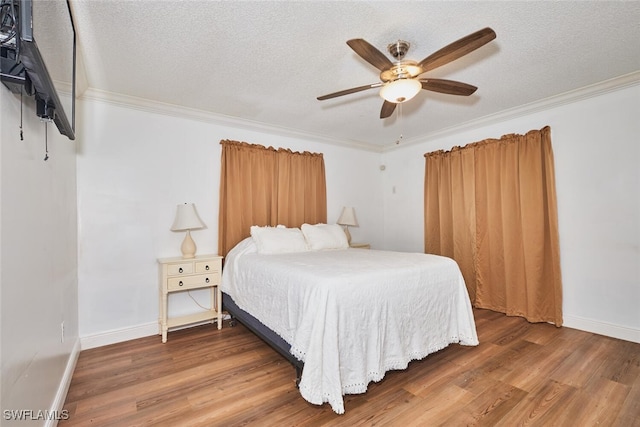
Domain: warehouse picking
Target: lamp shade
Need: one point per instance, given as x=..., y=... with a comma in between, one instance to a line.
x=348, y=217
x=400, y=90
x=187, y=218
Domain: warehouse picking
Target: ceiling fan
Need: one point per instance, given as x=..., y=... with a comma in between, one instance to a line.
x=400, y=80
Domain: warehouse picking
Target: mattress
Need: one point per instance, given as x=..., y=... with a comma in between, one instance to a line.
x=351, y=315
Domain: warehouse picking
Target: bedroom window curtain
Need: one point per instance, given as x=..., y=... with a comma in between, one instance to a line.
x=491, y=206
x=267, y=186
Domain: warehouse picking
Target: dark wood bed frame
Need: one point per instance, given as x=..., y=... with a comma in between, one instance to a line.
x=274, y=340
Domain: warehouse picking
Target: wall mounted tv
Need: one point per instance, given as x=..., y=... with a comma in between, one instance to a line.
x=38, y=53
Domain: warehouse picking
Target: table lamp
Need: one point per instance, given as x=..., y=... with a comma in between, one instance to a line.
x=187, y=219
x=348, y=218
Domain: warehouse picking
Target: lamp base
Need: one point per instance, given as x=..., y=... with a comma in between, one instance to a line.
x=346, y=231
x=188, y=246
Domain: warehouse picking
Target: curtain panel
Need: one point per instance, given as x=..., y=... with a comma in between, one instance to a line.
x=491, y=206
x=267, y=186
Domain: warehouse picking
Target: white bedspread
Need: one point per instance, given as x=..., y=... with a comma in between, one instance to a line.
x=352, y=314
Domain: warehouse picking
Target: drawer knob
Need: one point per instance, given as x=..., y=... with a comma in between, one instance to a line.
x=180, y=283
x=180, y=270
x=206, y=267
x=206, y=280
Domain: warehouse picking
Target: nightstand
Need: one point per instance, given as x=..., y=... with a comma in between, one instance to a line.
x=360, y=245
x=179, y=275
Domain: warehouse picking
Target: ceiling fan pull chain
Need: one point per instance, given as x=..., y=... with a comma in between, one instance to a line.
x=399, y=123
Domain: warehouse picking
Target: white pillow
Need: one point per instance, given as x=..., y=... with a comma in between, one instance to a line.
x=325, y=236
x=278, y=240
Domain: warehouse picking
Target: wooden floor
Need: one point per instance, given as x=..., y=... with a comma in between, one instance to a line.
x=520, y=374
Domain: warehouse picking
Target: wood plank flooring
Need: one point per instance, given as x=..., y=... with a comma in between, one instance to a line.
x=520, y=374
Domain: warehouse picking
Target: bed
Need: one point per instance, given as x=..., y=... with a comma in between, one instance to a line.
x=345, y=316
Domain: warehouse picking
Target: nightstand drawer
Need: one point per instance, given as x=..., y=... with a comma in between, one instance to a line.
x=178, y=269
x=208, y=266
x=192, y=282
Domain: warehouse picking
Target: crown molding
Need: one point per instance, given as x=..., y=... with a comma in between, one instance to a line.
x=173, y=110
x=586, y=92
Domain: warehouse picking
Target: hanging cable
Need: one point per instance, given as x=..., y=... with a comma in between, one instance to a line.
x=21, y=136
x=46, y=142
x=197, y=303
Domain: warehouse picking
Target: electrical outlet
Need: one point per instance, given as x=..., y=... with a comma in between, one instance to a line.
x=62, y=331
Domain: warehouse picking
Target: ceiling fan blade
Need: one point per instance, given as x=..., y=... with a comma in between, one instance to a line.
x=370, y=54
x=387, y=109
x=450, y=87
x=457, y=49
x=348, y=91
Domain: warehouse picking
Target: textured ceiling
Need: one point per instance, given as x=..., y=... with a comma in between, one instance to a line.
x=267, y=61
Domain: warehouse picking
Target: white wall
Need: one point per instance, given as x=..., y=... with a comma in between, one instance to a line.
x=38, y=263
x=597, y=162
x=134, y=167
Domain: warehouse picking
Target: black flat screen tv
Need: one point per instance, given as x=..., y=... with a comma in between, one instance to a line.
x=42, y=57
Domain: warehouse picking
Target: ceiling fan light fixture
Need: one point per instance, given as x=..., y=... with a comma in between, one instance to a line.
x=400, y=90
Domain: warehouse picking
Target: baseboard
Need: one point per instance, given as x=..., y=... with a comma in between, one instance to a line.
x=132, y=333
x=602, y=328
x=119, y=335
x=63, y=388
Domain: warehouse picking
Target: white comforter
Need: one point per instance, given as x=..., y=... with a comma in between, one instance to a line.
x=352, y=314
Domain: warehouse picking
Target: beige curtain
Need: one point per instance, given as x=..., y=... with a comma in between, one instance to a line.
x=491, y=206
x=265, y=186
